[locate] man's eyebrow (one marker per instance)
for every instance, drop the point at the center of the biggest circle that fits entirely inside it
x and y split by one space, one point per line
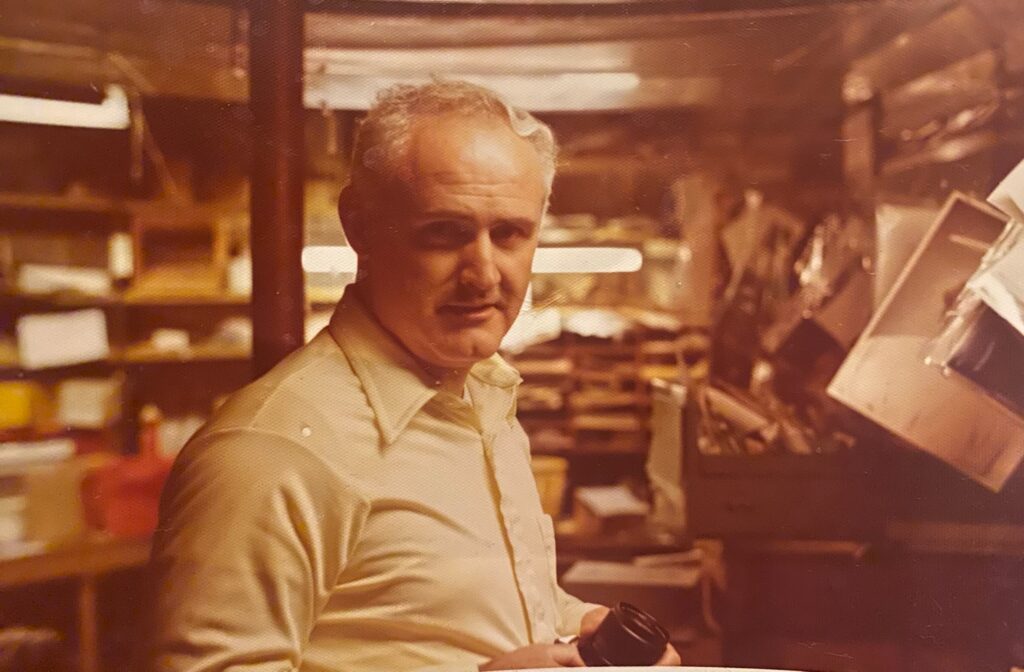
443 214
518 221
429 216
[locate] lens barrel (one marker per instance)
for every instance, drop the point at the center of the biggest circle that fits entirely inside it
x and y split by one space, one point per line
627 636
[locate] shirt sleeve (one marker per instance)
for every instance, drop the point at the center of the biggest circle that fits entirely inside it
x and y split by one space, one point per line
254 531
570 612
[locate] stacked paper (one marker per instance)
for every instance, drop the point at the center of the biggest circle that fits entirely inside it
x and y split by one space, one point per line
1001 284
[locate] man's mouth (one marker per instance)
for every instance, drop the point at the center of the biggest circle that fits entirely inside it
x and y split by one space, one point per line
469 310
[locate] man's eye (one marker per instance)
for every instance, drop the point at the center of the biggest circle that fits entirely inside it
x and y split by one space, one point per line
442 232
507 233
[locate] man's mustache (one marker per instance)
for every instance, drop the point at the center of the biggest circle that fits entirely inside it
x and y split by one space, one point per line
467 299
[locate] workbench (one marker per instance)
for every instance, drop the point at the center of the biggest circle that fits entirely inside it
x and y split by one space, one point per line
84 562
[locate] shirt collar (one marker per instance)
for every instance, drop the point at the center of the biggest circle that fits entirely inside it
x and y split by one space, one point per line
396 385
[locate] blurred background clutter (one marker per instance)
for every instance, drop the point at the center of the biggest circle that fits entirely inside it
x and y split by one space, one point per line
772 352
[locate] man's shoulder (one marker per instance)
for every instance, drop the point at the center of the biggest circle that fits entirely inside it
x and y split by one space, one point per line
312 399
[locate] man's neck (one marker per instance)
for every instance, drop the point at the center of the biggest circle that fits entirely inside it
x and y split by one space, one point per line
449 380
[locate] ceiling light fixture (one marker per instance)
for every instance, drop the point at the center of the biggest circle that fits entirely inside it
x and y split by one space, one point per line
111 112
535 91
342 259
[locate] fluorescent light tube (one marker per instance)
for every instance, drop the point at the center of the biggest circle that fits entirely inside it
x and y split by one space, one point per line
328 259
112 112
341 88
587 260
342 259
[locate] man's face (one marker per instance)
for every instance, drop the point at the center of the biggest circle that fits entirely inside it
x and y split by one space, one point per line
450 250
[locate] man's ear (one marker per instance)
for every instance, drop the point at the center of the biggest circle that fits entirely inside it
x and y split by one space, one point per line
353 219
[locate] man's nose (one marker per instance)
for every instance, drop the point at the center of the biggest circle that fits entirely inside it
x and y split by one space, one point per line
478 264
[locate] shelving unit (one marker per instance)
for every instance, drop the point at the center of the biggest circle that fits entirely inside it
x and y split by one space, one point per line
587 400
32 209
66 300
181 382
133 312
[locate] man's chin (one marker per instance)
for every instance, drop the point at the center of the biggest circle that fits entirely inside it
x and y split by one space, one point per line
463 352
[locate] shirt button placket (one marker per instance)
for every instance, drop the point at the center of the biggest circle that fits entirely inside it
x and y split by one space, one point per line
525 562
525 575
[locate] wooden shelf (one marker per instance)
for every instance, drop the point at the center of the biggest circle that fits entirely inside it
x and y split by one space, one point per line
133 355
201 352
84 562
954 538
649 372
59 204
625 544
97 554
562 366
22 301
150 300
605 399
43 209
9 370
607 422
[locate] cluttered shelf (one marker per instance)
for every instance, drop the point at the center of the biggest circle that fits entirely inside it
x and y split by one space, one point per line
142 353
28 301
111 212
25 301
11 369
623 545
145 353
185 300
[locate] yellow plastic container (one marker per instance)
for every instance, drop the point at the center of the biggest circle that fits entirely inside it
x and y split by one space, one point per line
550 474
21 403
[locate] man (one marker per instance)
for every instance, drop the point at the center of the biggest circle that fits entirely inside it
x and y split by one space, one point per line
369 504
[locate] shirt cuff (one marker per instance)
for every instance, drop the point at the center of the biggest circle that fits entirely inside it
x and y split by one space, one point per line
573 614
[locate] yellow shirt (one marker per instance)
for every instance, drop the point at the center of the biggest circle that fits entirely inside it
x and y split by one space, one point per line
341 513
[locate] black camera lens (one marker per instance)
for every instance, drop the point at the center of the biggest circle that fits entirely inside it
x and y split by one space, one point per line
627 636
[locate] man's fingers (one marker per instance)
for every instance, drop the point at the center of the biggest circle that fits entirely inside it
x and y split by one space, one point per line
670 658
592 619
567 655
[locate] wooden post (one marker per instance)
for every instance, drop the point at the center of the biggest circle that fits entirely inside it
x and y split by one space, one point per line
275 98
88 630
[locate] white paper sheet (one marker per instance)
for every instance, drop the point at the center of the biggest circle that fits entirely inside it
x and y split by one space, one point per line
61 339
626 574
611 500
1001 287
1009 195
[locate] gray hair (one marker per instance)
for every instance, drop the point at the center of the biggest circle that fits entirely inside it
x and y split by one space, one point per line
383 135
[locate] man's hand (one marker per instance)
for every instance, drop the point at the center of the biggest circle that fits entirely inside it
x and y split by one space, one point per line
536 656
593 618
670 658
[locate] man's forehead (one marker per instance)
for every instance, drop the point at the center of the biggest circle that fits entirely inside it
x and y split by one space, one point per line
455 148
